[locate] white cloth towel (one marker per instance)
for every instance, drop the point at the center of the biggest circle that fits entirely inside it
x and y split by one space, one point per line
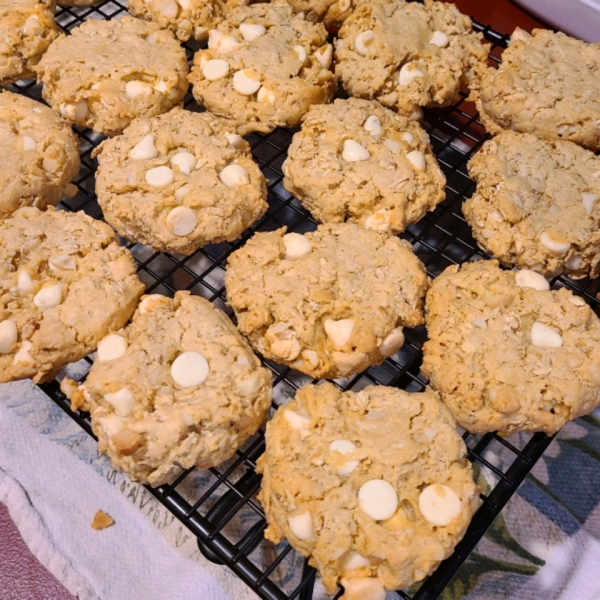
52 496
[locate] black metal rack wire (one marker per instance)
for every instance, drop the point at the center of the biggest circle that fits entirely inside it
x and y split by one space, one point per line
219 505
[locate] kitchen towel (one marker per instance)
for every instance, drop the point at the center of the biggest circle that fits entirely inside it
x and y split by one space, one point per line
52 496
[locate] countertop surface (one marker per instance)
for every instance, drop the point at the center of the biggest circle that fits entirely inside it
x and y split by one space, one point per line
22 577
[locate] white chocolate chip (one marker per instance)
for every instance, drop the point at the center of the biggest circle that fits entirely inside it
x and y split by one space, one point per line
301 52
162 86
181 220
234 140
49 297
167 8
24 283
354 152
339 332
439 504
577 301
543 336
111 347
408 137
32 26
379 220
144 149
530 279
417 158
554 245
186 161
589 201
392 145
234 176
159 176
348 361
301 526
50 164
362 588
287 349
573 263
407 74
246 82
215 69
29 143
151 302
136 88
122 401
182 192
296 420
519 35
364 41
76 111
378 499
111 424
228 43
324 56
439 39
189 369
296 245
480 323
266 95
312 357
61 262
251 31
23 356
8 336
373 126
214 37
344 447
354 560
392 342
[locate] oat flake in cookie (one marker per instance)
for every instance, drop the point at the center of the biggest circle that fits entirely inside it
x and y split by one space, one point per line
39 156
106 73
264 67
507 353
536 204
27 28
355 160
179 181
407 55
374 487
547 84
65 282
329 303
177 387
331 12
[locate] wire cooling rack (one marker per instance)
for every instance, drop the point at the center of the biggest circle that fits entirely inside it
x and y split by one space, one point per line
219 505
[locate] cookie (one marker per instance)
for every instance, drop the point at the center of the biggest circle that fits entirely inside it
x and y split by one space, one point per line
374 487
547 85
65 282
177 387
507 353
106 73
179 181
27 28
535 204
264 68
405 54
329 303
40 154
187 19
78 3
332 13
356 161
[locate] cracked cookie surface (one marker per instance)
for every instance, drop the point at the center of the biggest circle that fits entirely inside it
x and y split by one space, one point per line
27 28
355 160
328 303
507 353
179 181
65 282
264 67
332 13
547 84
407 55
536 204
374 487
177 387
40 154
106 73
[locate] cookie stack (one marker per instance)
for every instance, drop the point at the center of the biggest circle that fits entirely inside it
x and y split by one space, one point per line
374 485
